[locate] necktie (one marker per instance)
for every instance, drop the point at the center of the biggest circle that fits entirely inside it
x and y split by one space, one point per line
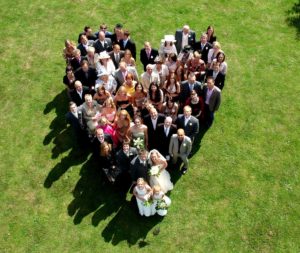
166 131
117 58
148 54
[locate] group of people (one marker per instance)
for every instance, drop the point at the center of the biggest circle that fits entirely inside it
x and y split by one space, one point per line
140 126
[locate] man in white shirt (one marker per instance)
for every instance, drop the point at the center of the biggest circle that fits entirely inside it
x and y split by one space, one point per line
184 37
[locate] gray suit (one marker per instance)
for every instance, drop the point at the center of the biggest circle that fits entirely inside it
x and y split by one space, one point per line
185 149
120 78
214 100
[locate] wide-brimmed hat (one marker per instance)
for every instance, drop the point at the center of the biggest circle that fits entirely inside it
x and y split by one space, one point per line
103 73
103 55
170 38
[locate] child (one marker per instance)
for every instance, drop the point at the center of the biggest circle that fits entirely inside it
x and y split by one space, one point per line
161 202
142 191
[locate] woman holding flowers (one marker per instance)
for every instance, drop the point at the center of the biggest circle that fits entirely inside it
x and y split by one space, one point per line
158 174
138 133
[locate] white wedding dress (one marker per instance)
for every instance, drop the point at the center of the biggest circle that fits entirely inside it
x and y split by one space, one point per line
164 178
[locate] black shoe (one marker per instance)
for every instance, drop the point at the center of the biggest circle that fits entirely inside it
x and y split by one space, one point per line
184 171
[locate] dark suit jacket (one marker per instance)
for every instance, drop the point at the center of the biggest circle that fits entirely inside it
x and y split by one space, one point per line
114 40
203 51
76 64
74 122
82 49
123 161
99 48
112 57
76 98
185 92
191 129
178 38
215 99
219 80
144 58
90 37
138 170
164 140
96 144
88 80
153 140
129 45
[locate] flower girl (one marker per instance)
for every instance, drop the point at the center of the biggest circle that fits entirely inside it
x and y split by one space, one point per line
143 192
161 202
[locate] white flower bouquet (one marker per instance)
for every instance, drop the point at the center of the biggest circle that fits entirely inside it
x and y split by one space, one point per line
138 143
154 171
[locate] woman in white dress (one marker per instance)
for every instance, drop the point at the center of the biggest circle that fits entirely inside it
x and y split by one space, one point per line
158 174
143 192
167 46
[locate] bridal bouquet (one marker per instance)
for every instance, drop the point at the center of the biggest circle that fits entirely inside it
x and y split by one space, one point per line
154 171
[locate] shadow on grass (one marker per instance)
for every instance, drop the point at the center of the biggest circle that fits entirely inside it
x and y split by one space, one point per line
59 104
93 195
293 18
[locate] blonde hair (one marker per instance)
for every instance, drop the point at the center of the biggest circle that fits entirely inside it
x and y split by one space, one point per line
141 181
87 96
156 188
216 44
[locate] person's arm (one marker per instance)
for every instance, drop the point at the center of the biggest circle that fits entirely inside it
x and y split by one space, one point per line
171 146
164 165
146 136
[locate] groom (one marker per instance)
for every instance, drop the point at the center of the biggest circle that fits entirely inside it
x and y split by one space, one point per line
139 166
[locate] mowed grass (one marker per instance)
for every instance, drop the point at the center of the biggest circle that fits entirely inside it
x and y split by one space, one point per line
242 191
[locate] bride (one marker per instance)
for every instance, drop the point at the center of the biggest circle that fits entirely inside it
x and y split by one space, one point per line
158 174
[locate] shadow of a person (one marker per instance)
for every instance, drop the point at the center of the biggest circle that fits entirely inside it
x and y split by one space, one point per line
293 18
127 225
75 157
92 193
59 122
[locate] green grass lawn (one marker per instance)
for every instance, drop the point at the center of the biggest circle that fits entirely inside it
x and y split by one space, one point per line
242 193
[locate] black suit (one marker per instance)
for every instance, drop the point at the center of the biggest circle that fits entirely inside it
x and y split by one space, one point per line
191 129
138 169
164 140
82 49
202 50
219 80
86 78
114 39
97 145
76 124
185 91
144 57
99 48
90 37
153 140
129 45
76 63
112 57
178 38
76 98
123 161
